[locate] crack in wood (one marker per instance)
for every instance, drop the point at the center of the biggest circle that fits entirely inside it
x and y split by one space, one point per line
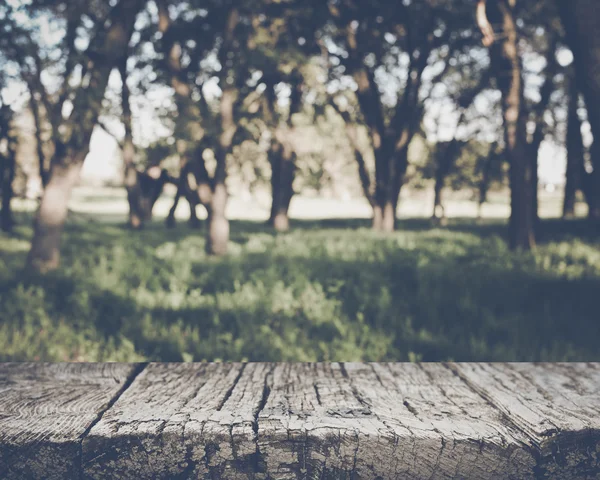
489 400
318 394
137 369
230 391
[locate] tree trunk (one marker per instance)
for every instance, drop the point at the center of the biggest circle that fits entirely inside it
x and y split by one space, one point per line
439 212
486 178
384 216
352 136
35 110
282 156
217 236
521 223
52 214
507 66
389 173
539 109
534 182
581 19
189 183
484 185
575 153
150 184
7 175
445 157
283 164
8 149
134 193
218 225
105 50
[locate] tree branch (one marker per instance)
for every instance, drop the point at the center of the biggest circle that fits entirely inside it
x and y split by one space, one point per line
351 134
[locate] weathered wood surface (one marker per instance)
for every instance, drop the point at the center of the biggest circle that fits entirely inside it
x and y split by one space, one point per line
305 421
557 407
46 409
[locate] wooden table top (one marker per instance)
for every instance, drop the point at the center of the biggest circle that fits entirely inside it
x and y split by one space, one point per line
300 421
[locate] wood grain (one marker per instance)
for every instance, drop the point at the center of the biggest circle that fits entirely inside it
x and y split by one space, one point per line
305 421
180 420
556 405
401 421
45 409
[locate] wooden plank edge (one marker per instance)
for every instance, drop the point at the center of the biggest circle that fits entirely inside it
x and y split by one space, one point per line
562 454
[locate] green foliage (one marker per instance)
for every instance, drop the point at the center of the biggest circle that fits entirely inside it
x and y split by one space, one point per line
326 291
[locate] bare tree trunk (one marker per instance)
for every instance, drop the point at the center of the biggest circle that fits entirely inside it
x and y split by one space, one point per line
150 184
581 19
278 213
52 214
283 165
384 217
380 196
363 172
170 220
534 185
439 212
282 156
390 170
388 224
486 178
384 212
8 149
385 205
521 229
187 186
35 110
218 224
7 174
134 193
445 158
108 46
507 65
539 110
484 186
575 152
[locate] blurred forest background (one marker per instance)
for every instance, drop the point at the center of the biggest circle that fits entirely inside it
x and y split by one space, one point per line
299 180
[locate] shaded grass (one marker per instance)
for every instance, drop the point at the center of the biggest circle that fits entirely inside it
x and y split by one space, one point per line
328 290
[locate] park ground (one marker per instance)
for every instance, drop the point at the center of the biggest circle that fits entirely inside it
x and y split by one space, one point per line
330 289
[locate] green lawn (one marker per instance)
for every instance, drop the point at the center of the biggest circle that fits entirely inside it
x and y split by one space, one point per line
328 290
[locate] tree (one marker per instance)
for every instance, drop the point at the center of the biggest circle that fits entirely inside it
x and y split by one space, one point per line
60 60
8 144
230 25
488 168
282 156
282 42
508 71
581 21
191 116
446 154
575 175
375 40
137 214
106 48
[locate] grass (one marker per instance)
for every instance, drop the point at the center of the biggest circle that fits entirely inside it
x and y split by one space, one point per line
328 290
